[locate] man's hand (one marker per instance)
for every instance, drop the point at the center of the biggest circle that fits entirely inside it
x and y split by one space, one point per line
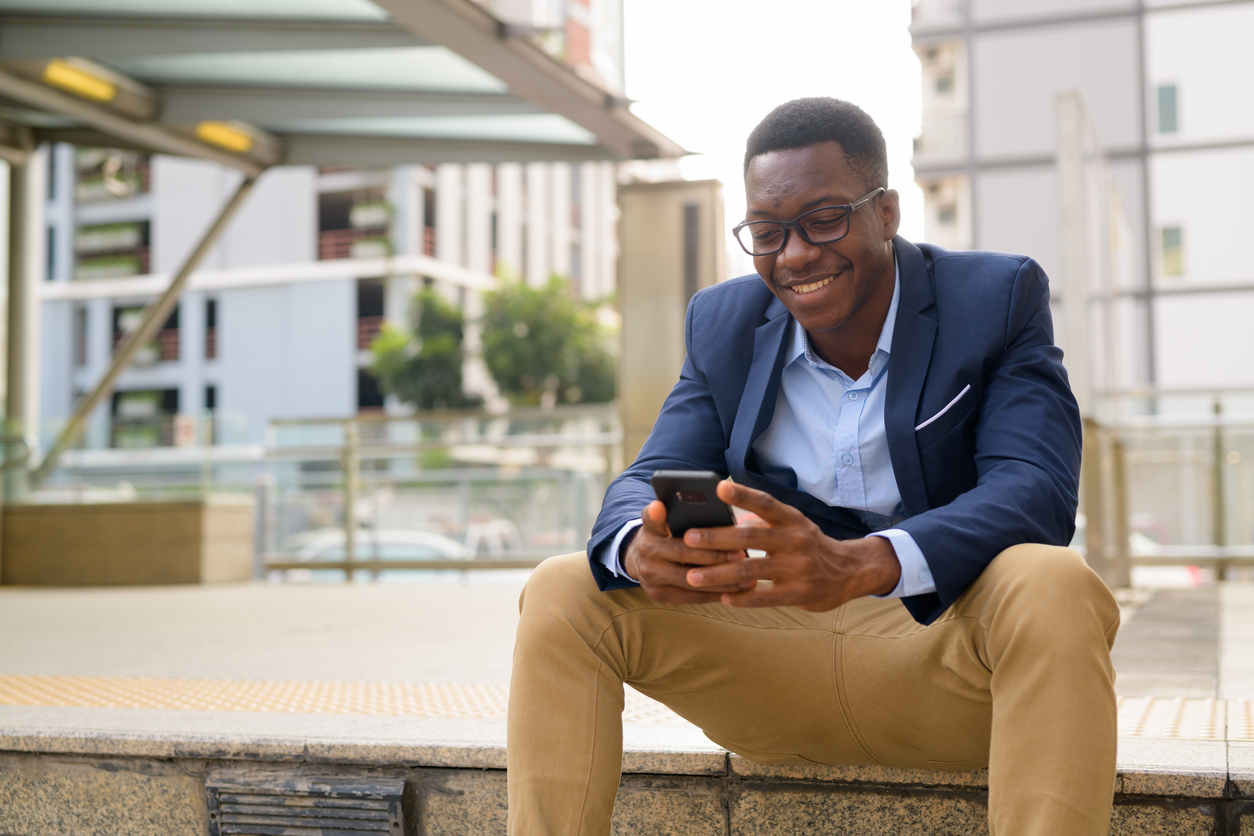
661 562
806 568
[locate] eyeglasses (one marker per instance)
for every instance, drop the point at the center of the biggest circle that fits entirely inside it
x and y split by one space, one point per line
824 225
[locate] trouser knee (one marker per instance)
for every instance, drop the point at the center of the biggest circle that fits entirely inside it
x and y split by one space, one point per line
1049 591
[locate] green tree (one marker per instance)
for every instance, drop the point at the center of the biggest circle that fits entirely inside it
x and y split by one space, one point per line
543 339
424 368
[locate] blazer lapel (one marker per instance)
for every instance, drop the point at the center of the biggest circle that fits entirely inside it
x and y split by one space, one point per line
913 336
757 404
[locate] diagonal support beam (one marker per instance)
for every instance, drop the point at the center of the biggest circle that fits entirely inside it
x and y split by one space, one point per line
155 314
474 33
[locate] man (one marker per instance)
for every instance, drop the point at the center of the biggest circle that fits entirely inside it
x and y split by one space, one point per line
899 420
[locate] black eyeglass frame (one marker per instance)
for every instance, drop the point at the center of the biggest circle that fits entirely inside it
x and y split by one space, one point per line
795 223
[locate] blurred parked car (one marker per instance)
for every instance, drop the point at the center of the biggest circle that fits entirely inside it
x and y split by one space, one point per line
378 544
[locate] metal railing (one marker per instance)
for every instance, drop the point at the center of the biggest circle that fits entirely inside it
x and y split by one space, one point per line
506 491
1177 472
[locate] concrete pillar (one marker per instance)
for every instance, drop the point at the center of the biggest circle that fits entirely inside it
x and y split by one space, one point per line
559 218
539 216
449 232
26 261
509 219
672 246
607 231
479 217
404 193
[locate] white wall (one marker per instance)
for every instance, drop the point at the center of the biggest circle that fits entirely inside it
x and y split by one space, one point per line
1019 73
1001 11
287 351
1018 213
1207 54
186 195
1204 339
1210 194
277 223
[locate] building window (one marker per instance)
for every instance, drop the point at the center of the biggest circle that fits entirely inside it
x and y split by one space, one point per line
105 251
211 329
354 224
211 398
164 347
1168 109
1173 251
102 174
945 85
370 311
80 336
369 394
947 215
428 222
144 418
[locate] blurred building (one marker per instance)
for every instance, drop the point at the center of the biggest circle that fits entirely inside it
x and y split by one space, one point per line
1164 84
289 300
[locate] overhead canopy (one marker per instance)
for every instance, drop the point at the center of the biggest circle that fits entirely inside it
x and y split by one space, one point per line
316 82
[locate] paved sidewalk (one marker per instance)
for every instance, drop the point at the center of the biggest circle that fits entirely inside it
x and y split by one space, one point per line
439 655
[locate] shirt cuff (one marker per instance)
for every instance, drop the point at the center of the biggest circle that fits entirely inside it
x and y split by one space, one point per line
916 575
611 556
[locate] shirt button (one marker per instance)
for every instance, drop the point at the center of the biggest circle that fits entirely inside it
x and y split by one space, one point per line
853 396
847 459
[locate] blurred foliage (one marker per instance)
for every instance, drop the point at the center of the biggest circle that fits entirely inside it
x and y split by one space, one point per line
424 368
542 341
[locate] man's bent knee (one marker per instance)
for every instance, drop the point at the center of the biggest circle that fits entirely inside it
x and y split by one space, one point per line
1045 584
559 577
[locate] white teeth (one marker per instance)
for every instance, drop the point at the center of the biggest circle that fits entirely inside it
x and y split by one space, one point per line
809 288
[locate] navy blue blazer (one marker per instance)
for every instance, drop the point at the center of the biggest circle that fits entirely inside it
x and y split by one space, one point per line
1000 467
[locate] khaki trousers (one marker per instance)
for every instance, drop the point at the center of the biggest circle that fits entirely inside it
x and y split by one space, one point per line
1015 676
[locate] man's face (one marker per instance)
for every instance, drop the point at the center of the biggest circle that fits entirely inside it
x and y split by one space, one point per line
824 286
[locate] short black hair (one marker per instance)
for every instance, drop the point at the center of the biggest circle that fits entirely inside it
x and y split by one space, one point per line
804 122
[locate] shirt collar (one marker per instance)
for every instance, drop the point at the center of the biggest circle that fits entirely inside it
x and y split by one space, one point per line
800 343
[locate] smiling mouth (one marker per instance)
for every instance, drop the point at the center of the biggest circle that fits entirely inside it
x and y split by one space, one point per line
802 289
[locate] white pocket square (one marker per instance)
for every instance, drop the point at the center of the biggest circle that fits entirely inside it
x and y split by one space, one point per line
948 406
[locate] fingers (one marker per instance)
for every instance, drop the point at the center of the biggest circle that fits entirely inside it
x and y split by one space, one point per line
763 504
654 519
760 536
743 574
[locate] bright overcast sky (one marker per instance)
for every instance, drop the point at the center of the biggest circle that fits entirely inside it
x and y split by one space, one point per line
705 73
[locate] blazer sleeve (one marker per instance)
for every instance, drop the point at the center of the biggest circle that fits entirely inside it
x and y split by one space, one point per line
1027 439
686 436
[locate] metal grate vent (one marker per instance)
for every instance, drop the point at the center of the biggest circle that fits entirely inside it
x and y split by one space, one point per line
299 805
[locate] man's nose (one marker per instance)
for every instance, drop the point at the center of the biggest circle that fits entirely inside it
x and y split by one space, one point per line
797 252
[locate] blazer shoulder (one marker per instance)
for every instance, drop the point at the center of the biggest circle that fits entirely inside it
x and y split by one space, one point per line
742 300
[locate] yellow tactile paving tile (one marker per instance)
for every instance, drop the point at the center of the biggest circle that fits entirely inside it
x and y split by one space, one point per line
397 699
1172 717
1156 717
1241 720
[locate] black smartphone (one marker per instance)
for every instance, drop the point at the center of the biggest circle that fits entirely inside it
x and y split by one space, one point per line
690 500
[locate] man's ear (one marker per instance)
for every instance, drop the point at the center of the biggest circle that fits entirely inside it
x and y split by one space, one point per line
889 206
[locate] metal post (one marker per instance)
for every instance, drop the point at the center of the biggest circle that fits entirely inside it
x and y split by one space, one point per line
154 317
1217 490
1121 562
264 494
1094 501
18 319
352 440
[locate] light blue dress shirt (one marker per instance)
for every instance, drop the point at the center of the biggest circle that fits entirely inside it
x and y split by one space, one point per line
827 438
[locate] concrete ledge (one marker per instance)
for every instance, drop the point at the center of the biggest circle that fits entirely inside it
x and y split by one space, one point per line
205 540
64 770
